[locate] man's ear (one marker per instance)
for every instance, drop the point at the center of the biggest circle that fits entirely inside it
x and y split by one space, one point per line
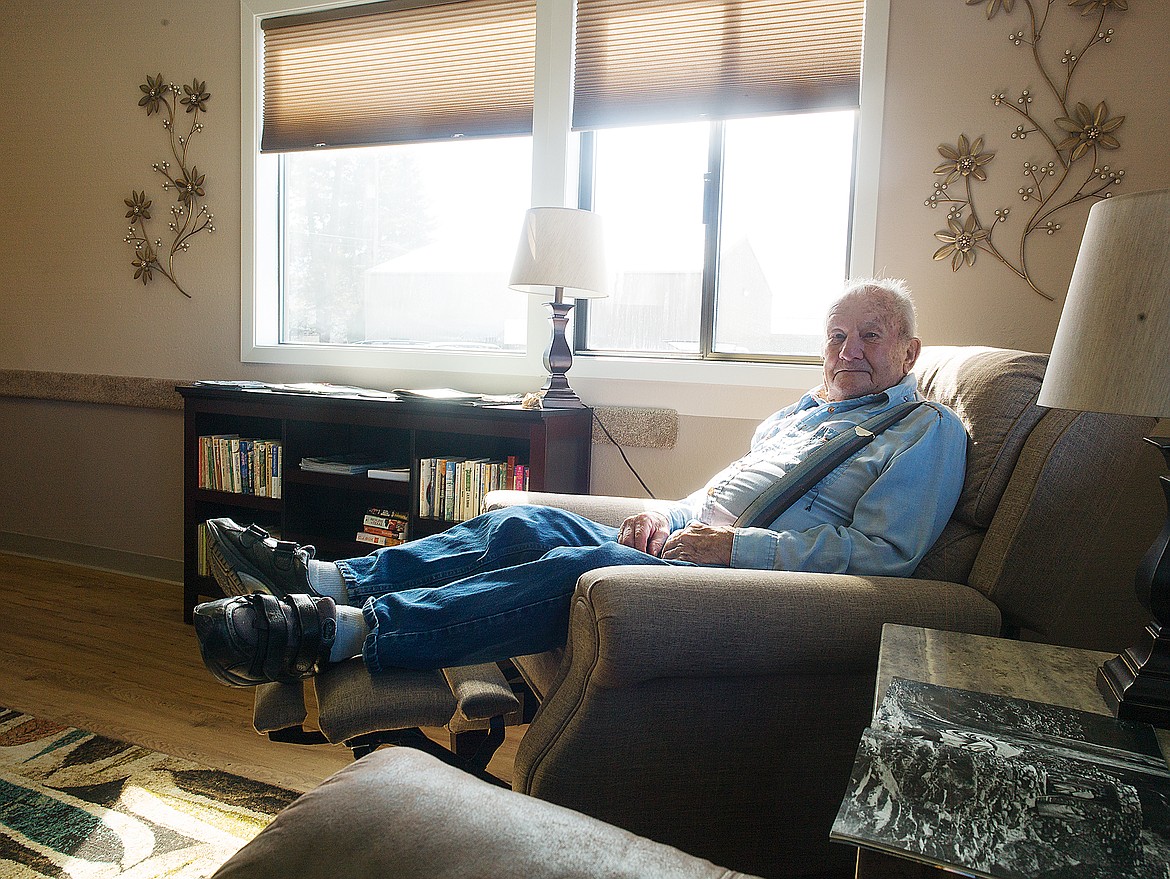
912 352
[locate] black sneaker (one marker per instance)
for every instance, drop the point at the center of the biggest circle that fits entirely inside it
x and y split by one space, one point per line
247 560
254 639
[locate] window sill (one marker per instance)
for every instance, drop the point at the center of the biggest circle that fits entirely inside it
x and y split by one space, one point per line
712 389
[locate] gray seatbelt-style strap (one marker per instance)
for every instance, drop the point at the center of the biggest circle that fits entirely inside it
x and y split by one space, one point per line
797 482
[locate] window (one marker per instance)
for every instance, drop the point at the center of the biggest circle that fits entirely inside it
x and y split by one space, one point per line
405 246
399 161
314 257
727 237
770 197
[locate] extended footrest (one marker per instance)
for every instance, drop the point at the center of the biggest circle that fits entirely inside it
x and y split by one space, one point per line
363 711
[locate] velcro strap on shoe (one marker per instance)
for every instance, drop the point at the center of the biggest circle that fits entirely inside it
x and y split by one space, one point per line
260 624
272 627
256 531
318 624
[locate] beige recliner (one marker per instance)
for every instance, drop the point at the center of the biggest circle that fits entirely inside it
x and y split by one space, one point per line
719 710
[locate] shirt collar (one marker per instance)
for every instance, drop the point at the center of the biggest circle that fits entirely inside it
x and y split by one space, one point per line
903 392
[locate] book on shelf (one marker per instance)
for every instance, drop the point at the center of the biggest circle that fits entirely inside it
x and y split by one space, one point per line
426 488
452 489
1006 788
240 465
380 518
377 539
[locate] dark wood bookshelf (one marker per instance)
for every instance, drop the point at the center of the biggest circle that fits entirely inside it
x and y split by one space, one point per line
326 509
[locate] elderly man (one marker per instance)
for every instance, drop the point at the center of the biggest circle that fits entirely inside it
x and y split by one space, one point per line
500 585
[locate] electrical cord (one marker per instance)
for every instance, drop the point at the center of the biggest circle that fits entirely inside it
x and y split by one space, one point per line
622 452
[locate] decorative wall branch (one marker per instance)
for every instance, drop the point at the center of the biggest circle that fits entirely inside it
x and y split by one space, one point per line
189 215
1070 171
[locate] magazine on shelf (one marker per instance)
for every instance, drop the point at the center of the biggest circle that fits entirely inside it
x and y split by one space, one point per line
321 389
449 395
355 463
1008 789
391 474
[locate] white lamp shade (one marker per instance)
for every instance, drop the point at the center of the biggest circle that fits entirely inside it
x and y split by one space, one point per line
561 247
1112 347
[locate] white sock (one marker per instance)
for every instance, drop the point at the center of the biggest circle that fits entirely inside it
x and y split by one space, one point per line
351 633
326 579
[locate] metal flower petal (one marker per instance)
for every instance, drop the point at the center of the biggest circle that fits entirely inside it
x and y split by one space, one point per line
994 5
139 206
143 269
154 91
1091 128
965 159
961 242
197 96
1093 5
190 185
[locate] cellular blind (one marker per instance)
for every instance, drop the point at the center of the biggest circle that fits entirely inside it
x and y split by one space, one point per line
398 72
640 61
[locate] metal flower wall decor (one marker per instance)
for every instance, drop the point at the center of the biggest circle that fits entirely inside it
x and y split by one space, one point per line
189 214
1074 142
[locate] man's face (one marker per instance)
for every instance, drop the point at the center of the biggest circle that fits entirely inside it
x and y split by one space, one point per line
865 352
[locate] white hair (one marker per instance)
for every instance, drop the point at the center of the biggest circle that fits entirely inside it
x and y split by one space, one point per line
896 293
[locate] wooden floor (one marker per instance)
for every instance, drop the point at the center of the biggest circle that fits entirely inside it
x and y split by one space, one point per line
111 654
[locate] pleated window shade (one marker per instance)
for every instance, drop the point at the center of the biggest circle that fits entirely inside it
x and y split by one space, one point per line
644 61
398 72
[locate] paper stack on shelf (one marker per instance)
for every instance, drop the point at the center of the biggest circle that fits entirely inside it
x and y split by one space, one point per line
346 464
392 474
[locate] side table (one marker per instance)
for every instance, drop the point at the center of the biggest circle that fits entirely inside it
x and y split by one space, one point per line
1062 676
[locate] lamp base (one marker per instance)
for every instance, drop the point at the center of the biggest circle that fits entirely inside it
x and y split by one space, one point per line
560 398
1136 684
557 360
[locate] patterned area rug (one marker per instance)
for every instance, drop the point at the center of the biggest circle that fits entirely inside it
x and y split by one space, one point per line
75 804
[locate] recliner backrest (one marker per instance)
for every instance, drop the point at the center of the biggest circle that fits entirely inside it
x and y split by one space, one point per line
1039 481
993 391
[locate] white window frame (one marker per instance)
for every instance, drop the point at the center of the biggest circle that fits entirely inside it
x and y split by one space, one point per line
744 389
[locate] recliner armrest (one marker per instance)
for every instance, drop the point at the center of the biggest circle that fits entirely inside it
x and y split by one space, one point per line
710 622
605 509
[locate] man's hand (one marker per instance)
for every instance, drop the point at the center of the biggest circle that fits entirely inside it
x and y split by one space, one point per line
701 544
645 531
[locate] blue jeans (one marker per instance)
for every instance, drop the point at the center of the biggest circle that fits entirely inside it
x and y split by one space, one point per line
487 589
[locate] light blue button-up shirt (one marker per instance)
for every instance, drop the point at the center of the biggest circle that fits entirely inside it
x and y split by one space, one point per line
877 513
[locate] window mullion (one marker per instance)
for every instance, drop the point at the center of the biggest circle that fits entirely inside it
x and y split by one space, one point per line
586 169
712 206
281 245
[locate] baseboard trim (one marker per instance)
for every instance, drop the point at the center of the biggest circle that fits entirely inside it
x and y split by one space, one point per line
96 557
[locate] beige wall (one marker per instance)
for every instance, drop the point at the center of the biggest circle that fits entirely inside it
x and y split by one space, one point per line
73 144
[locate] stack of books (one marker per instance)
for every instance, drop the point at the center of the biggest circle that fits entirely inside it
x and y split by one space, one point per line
383 527
452 489
229 462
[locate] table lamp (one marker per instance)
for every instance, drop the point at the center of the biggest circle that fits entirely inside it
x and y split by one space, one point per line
561 253
1112 354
